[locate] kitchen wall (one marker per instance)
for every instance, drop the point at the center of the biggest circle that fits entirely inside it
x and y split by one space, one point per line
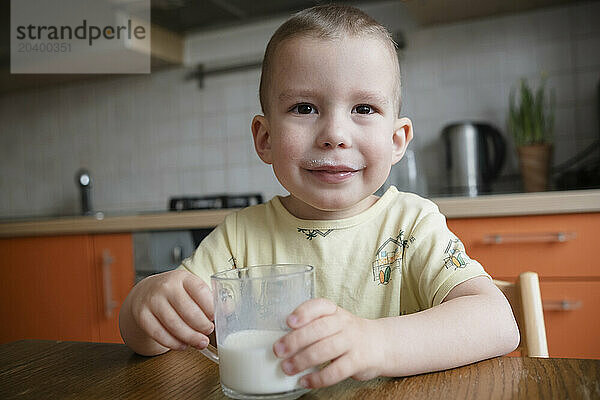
146 138
143 139
466 70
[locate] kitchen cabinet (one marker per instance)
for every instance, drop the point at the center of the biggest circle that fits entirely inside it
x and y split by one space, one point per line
572 316
115 271
166 50
64 287
560 248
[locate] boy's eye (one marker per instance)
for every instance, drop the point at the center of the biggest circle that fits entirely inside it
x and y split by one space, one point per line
304 109
364 109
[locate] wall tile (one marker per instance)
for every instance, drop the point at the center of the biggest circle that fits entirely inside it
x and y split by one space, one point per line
586 86
489 66
520 62
238 151
454 101
553 24
215 181
251 96
234 96
237 179
585 19
238 125
586 121
262 178
213 129
555 56
564 149
457 69
212 100
190 156
586 52
425 103
488 35
563 86
192 182
521 30
213 155
488 96
191 131
424 73
129 185
564 122
167 157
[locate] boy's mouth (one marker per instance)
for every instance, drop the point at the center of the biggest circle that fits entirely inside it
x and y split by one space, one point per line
333 165
330 172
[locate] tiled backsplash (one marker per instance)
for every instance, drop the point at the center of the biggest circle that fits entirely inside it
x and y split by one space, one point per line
146 138
466 71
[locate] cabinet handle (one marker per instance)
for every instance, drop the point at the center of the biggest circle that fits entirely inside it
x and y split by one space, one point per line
109 303
561 305
543 237
177 254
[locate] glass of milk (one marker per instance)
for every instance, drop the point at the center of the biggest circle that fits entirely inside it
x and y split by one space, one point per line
251 307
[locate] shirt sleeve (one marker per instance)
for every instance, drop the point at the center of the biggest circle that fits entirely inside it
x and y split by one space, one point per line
437 260
215 253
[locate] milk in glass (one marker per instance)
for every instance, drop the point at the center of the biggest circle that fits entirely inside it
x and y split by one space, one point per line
247 363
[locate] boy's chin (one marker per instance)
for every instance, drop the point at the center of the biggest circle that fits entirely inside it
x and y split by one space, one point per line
330 207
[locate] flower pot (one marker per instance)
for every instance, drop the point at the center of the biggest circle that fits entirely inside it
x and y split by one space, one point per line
534 161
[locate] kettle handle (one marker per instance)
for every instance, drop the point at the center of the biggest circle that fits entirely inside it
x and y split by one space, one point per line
498 143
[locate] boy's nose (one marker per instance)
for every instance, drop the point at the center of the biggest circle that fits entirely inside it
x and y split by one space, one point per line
334 134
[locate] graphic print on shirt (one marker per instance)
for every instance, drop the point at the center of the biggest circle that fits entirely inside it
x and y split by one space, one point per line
312 233
389 257
455 255
233 262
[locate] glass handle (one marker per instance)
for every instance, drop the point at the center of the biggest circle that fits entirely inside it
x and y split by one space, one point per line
211 353
542 237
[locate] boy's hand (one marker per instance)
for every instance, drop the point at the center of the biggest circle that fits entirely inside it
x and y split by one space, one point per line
322 331
174 308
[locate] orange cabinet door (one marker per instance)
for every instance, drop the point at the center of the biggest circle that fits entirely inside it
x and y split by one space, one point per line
533 243
64 287
572 317
114 271
47 289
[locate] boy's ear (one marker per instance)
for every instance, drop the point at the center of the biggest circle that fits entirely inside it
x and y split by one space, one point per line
403 134
262 138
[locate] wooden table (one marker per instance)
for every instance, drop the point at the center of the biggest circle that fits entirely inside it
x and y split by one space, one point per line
35 369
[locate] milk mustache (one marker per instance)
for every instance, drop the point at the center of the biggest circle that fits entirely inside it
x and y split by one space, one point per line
247 363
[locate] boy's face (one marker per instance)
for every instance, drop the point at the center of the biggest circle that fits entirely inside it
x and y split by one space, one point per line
331 130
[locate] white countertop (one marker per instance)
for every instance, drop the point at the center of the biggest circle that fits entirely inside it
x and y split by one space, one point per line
563 202
497 205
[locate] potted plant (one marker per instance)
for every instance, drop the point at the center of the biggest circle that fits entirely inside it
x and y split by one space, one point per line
530 120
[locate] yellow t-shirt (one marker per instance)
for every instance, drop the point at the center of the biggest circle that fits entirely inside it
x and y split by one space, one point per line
397 257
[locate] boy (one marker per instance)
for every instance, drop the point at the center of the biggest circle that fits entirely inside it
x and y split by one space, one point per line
399 296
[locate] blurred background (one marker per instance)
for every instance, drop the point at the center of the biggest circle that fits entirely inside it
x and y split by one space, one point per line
184 129
95 167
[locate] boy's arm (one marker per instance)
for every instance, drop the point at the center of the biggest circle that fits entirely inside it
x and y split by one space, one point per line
474 322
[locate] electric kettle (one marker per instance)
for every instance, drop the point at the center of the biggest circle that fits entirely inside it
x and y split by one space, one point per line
474 157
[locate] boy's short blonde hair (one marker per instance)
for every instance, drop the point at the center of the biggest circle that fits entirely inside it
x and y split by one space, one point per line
327 22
